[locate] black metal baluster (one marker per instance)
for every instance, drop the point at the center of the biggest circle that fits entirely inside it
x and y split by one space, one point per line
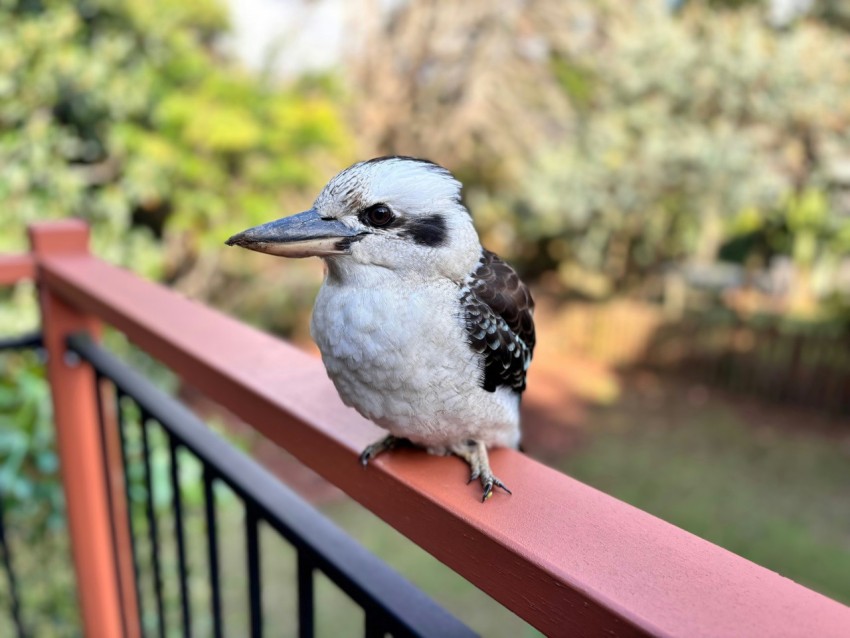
212 545
107 473
153 530
306 617
122 435
255 593
177 504
374 626
14 601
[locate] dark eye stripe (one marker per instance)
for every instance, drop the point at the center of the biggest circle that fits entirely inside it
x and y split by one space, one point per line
428 231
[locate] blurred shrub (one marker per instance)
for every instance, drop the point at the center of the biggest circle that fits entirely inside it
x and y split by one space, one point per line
130 115
601 140
683 125
28 462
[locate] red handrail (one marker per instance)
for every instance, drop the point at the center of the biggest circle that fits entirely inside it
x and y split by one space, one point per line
569 559
15 268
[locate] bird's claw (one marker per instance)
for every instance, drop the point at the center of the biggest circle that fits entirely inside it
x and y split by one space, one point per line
367 455
489 484
386 444
475 453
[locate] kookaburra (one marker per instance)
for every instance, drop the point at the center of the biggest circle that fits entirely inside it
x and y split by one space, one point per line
421 330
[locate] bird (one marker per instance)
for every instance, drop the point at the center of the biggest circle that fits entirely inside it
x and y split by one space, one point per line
421 329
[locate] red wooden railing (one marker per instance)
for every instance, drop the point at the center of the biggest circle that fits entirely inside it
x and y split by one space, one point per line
564 556
14 268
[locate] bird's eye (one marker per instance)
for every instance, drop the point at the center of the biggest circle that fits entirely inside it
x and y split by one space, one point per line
377 215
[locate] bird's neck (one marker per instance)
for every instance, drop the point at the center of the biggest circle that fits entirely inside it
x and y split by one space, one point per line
341 272
426 267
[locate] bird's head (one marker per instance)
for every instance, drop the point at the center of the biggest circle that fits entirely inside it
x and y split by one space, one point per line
395 213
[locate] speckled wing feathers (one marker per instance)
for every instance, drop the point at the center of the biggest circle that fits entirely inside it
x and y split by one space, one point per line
498 310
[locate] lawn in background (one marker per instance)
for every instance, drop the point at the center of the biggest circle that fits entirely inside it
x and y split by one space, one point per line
769 483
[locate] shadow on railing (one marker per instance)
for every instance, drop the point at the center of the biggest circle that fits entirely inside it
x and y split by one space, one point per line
565 557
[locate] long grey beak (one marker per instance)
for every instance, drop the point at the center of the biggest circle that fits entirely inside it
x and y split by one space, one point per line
303 235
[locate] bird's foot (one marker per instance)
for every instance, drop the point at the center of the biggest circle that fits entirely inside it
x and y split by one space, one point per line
475 453
386 444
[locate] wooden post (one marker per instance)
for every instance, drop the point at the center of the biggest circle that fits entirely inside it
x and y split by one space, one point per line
100 542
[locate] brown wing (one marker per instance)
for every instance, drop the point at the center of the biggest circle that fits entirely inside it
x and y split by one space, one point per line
498 312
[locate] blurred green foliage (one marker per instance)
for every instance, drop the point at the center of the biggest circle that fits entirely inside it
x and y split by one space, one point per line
29 480
130 115
684 129
32 500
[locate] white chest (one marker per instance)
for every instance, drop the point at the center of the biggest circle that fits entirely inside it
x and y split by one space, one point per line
398 354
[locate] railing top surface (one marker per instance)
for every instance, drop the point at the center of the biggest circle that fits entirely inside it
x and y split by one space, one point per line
565 556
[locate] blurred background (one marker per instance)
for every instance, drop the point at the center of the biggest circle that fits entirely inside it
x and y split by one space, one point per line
671 176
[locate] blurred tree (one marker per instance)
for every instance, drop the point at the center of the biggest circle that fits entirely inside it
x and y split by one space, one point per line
688 122
600 140
694 120
130 115
465 84
782 13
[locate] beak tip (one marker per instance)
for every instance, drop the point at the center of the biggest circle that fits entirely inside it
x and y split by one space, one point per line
303 235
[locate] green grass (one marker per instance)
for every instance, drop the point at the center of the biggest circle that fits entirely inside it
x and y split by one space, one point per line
776 495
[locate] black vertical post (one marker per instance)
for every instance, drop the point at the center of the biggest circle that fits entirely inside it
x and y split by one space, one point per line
107 473
122 435
14 602
255 594
153 530
306 628
374 626
212 546
182 567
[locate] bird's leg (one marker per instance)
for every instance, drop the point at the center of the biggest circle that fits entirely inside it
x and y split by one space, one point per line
389 442
475 453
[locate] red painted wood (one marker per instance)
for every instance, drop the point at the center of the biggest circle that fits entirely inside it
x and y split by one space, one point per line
94 548
564 556
14 268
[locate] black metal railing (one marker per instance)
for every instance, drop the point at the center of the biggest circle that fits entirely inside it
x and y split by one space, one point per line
390 603
11 578
29 341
